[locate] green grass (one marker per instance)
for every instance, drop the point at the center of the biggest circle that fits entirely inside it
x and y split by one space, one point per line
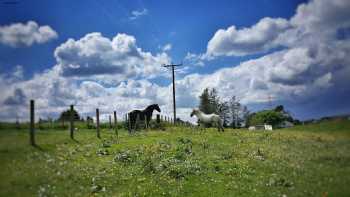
309 160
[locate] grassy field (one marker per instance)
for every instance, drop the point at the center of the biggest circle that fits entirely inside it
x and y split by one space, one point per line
312 160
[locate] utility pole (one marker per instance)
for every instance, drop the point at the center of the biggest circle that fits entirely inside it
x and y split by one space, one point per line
173 72
270 99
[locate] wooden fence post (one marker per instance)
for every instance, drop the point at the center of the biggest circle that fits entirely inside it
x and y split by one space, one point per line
32 124
71 120
115 123
98 123
110 122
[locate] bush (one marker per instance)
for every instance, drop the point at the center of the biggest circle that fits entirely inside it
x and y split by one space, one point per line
266 117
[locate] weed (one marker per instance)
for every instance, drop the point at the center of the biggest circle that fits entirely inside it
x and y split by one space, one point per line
126 156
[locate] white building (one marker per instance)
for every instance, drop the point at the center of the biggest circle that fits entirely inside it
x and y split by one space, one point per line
265 127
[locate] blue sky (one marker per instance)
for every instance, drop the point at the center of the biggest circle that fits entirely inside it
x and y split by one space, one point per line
187 25
285 40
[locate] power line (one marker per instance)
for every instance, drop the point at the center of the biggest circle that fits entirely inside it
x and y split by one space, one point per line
172 66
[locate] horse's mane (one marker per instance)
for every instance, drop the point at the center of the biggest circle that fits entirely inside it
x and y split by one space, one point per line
153 106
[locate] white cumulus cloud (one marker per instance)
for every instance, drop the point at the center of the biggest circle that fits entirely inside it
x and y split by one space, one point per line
20 34
103 58
313 60
238 42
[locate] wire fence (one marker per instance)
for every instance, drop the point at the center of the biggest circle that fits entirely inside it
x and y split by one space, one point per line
73 122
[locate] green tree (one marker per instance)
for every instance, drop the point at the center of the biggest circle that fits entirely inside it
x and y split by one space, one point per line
214 101
279 108
245 114
232 111
65 115
210 102
266 117
287 116
204 101
224 112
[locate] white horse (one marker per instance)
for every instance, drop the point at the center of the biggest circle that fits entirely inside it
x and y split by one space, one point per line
208 118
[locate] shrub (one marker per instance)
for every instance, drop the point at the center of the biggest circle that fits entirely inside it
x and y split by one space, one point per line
266 117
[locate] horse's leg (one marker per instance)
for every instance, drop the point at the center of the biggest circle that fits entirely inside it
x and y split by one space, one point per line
134 122
137 124
148 119
201 127
131 122
218 125
221 125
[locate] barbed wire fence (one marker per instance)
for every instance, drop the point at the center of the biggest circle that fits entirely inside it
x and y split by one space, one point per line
91 121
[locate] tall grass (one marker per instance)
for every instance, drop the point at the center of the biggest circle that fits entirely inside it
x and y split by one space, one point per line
310 160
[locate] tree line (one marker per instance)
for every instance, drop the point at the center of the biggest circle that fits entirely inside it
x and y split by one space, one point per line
234 114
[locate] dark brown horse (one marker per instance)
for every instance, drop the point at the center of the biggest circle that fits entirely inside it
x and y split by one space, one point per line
143 115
